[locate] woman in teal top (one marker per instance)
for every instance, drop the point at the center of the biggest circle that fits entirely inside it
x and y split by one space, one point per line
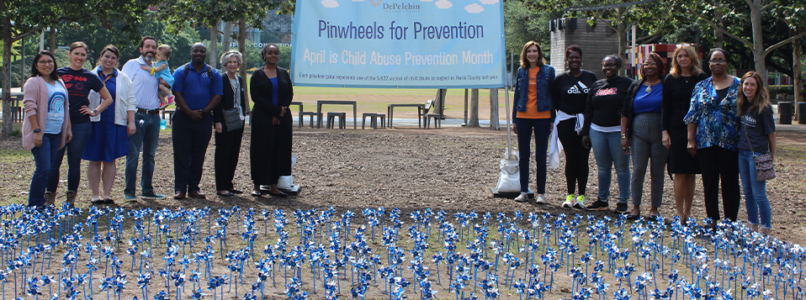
713 135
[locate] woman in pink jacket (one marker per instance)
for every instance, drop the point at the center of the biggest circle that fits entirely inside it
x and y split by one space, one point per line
47 127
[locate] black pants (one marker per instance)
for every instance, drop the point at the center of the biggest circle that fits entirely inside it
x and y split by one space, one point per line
190 139
576 156
716 163
227 151
540 128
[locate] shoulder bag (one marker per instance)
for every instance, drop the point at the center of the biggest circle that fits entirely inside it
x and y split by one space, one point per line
765 167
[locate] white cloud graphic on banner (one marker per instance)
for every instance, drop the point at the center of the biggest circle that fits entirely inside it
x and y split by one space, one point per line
426 0
330 3
474 8
484 1
444 4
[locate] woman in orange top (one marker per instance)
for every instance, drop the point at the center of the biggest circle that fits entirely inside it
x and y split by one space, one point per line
534 112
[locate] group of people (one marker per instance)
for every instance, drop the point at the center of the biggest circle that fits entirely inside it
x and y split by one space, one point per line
684 120
103 114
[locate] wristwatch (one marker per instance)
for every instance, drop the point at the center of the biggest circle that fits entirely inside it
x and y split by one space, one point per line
95 112
37 130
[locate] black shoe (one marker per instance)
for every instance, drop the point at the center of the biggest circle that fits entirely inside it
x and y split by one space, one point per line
633 217
621 208
227 194
236 191
257 193
109 201
599 205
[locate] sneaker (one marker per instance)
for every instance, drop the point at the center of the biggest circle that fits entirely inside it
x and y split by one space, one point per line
621 208
599 205
569 202
523 197
129 197
168 101
152 196
580 204
541 199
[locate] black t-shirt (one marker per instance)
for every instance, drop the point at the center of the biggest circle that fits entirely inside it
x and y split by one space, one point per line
721 94
758 127
79 84
605 101
570 93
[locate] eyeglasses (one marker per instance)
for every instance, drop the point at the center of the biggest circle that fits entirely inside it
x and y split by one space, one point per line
45 62
718 61
652 64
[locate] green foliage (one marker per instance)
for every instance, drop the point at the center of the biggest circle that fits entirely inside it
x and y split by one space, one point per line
16 132
523 24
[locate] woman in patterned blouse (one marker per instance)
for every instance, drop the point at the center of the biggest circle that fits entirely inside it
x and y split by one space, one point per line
713 135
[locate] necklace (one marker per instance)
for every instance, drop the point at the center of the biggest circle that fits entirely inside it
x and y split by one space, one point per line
686 78
649 87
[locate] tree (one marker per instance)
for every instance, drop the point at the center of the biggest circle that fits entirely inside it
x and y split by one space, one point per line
21 18
789 11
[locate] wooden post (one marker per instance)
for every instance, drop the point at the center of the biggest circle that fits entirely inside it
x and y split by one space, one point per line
465 123
474 108
494 109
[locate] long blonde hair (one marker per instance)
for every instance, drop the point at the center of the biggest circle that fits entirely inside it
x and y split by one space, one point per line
760 101
677 71
525 62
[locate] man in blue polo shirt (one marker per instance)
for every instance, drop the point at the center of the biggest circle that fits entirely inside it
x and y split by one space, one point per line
198 90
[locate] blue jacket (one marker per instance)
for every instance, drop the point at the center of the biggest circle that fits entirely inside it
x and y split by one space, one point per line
545 79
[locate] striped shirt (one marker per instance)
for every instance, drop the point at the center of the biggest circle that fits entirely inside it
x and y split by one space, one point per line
146 86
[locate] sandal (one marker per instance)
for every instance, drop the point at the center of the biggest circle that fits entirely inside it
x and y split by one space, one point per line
633 217
109 201
97 201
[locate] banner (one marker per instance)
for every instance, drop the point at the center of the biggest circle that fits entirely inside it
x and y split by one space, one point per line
399 43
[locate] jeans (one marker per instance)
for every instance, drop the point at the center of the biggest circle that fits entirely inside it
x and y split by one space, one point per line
541 129
720 166
44 157
607 151
190 140
755 192
75 149
146 139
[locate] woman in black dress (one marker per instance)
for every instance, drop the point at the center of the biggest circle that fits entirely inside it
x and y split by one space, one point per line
270 151
678 86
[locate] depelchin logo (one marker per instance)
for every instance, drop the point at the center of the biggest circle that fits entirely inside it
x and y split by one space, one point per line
375 3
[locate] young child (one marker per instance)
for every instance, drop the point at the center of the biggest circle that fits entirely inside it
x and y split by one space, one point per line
163 72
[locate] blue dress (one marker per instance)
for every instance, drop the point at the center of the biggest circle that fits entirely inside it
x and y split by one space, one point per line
108 140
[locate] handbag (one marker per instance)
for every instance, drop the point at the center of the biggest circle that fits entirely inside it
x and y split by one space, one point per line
232 116
765 166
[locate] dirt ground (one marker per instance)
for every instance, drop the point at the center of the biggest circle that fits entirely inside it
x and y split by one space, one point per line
411 169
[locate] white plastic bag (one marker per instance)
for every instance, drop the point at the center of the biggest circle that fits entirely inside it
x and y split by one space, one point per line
509 179
287 182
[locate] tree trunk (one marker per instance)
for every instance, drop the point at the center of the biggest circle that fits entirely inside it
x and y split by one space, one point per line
622 39
494 124
474 108
212 53
758 40
719 37
6 84
52 38
226 40
244 63
796 70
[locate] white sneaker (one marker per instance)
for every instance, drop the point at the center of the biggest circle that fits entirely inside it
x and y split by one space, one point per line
580 204
523 197
541 199
569 202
